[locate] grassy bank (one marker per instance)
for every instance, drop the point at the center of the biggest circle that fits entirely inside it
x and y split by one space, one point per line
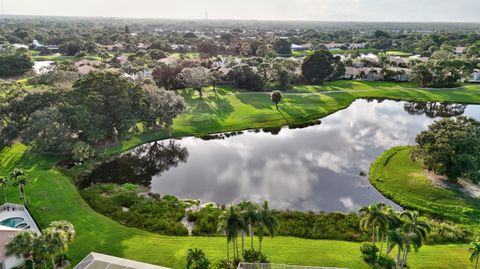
231 109
402 180
54 197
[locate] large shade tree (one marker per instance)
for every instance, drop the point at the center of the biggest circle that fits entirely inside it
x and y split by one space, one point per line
103 106
196 78
451 147
319 66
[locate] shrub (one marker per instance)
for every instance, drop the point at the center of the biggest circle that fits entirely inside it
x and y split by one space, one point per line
369 252
251 255
385 262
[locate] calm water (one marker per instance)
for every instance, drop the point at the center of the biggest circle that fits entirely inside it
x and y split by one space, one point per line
314 168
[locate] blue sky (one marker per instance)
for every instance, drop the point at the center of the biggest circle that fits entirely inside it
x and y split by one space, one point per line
322 10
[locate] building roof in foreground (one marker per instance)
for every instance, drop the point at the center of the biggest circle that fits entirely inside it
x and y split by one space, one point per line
6 235
101 261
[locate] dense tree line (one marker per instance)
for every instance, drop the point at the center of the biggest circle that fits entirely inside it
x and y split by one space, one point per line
99 107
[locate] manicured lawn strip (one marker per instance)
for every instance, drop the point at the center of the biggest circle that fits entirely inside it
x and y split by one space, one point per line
399 178
54 197
233 110
60 58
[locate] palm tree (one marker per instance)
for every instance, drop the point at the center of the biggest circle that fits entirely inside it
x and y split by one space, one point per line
65 228
374 218
396 239
22 245
223 228
53 243
3 186
230 225
393 222
249 219
415 232
266 221
20 181
475 252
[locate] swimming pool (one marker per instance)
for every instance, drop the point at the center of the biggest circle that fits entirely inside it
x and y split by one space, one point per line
11 222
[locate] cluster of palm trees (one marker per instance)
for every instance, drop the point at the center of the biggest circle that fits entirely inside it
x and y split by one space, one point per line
19 180
404 230
39 247
245 217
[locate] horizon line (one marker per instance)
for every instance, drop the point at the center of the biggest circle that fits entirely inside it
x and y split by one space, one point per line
228 19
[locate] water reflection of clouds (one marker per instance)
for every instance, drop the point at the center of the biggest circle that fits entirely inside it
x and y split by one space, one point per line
316 168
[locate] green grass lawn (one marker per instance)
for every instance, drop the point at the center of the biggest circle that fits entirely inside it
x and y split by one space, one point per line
398 53
57 57
231 109
398 177
334 51
53 195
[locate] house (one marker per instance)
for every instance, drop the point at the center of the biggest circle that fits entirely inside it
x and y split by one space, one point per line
6 235
101 261
357 46
115 47
13 219
334 46
302 47
86 66
37 44
459 50
398 61
142 46
475 76
376 73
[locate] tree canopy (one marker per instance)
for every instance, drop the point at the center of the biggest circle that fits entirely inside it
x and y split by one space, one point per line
319 66
451 147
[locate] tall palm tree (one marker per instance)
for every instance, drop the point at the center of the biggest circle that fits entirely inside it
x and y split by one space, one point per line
396 239
20 181
230 224
415 230
3 186
393 222
223 228
54 243
475 252
266 222
22 245
374 218
251 217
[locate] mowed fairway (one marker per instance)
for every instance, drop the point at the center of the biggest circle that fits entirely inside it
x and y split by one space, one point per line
53 196
230 109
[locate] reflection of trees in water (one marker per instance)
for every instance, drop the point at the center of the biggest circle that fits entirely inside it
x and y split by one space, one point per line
434 109
139 165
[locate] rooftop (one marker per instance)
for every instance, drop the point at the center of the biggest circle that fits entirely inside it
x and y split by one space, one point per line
101 261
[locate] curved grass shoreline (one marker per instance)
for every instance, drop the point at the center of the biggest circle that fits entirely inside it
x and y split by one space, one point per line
53 196
403 181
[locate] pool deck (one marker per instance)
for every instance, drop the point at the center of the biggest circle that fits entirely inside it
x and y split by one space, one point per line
9 210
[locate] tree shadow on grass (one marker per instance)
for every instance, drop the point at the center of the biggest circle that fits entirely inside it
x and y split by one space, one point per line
256 100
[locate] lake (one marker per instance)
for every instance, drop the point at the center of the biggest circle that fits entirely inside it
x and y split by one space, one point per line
318 168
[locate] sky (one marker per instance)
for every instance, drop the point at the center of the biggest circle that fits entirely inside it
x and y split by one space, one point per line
317 10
